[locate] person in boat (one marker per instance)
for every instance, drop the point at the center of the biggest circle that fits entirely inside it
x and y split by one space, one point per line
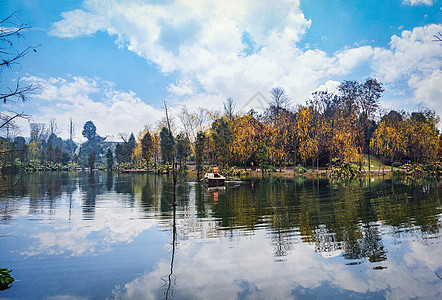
215 172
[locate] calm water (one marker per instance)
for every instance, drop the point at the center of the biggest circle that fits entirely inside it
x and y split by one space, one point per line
109 236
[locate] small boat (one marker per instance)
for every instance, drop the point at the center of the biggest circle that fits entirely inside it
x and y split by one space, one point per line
214 179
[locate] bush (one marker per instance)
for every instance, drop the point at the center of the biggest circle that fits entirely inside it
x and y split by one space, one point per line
397 164
299 169
344 170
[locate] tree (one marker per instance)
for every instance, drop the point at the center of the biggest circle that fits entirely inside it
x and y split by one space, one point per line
91 161
199 152
93 144
263 159
279 97
109 159
58 155
280 101
129 147
246 135
389 139
229 109
147 148
167 145
370 92
182 147
89 130
349 95
11 30
71 136
222 137
50 153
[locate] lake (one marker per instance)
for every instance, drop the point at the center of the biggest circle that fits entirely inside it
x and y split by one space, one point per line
96 235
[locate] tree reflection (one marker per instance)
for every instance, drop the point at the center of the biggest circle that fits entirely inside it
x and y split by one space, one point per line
90 196
170 279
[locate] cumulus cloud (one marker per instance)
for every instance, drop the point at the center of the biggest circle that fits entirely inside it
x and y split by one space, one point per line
84 99
221 49
415 58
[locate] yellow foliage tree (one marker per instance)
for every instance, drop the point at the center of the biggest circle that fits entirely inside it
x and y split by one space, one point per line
246 138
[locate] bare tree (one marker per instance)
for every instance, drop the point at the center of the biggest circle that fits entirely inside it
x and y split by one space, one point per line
280 98
11 29
174 171
229 108
53 127
9 126
39 132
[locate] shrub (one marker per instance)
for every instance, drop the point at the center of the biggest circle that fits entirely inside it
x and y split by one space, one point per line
299 169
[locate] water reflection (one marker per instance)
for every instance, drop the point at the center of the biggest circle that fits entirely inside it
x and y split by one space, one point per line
370 237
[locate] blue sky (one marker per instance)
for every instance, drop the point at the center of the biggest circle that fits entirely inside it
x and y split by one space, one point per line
114 62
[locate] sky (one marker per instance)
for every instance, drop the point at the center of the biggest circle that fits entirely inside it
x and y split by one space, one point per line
115 62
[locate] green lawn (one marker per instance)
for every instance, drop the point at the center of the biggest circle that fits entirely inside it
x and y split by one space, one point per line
374 162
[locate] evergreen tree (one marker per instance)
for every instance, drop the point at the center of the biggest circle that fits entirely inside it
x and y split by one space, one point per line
91 160
93 143
222 137
199 151
58 155
89 130
182 147
166 143
109 159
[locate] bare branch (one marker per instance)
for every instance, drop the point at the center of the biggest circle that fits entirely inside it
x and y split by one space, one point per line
437 37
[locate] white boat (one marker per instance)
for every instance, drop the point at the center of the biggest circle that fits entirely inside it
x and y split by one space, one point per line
214 179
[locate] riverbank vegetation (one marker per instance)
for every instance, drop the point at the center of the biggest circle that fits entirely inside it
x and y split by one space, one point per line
345 133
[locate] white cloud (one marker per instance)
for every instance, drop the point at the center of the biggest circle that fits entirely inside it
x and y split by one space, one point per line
415 58
222 49
78 23
418 2
85 99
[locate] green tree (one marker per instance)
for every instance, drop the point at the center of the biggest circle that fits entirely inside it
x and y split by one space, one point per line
91 160
182 147
199 152
58 155
167 145
93 144
109 159
89 130
222 137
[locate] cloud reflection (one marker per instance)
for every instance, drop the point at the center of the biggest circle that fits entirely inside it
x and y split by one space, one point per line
111 225
245 268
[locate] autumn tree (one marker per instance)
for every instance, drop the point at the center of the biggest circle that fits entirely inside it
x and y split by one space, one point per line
389 137
263 158
422 135
246 136
147 148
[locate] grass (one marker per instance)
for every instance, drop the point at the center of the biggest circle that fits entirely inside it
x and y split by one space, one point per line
375 162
